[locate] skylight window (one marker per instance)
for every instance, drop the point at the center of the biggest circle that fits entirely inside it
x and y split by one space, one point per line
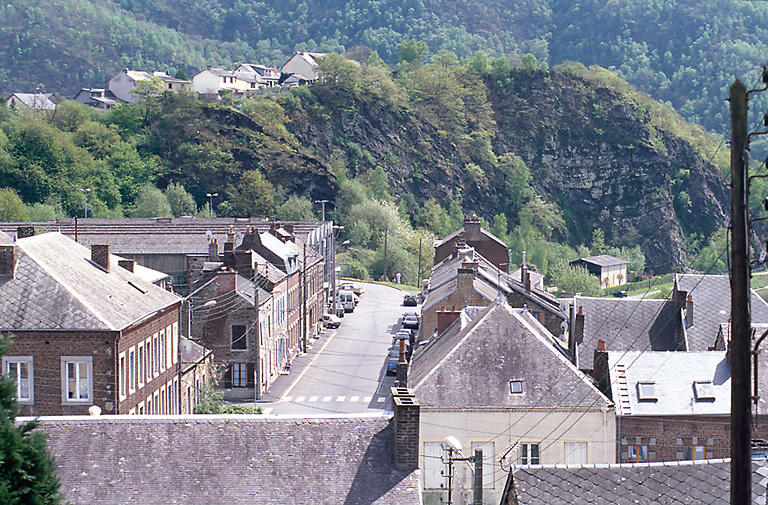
646 391
703 390
516 387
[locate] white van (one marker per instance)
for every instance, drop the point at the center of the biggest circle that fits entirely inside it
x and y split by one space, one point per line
347 299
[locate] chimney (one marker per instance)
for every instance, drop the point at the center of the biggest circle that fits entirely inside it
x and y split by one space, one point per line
9 257
402 366
100 256
524 264
226 281
465 276
601 344
406 426
127 264
578 326
213 250
527 280
25 231
689 312
445 318
471 229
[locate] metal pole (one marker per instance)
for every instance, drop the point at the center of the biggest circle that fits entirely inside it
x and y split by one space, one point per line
322 204
418 279
741 427
477 481
449 477
257 346
304 300
386 231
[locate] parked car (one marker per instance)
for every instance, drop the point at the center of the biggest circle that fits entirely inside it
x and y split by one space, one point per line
330 321
339 309
347 300
410 300
392 365
411 320
402 335
349 286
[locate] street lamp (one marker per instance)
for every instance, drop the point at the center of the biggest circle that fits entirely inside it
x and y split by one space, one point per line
85 194
211 196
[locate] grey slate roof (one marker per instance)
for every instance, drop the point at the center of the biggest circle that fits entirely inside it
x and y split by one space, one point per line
5 238
246 287
625 324
56 286
191 353
204 460
604 260
500 345
459 234
712 306
677 482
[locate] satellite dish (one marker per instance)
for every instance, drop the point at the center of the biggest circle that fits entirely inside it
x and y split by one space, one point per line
209 234
452 443
94 410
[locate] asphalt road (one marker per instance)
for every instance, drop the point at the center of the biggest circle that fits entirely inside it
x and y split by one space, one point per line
348 374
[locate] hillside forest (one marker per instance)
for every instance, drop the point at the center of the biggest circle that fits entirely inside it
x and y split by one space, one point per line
560 162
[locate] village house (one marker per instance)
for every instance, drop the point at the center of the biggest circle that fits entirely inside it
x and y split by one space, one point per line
367 459
197 370
534 406
611 271
123 84
32 101
214 80
266 77
86 330
478 238
303 64
99 98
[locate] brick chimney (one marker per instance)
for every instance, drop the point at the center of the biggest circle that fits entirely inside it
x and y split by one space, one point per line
25 231
402 366
406 427
127 264
465 278
578 326
9 257
100 255
527 280
445 318
251 240
472 228
689 312
213 250
226 281
601 344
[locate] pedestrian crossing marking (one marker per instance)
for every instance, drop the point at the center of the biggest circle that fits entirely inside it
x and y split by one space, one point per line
367 399
313 398
327 398
288 398
380 399
341 398
354 399
300 399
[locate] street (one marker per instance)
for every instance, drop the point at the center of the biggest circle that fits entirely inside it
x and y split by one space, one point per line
347 375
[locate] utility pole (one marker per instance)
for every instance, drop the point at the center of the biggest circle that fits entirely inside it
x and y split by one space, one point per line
257 346
322 203
477 479
418 279
386 231
304 300
741 415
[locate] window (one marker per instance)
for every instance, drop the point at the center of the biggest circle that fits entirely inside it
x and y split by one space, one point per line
175 343
528 454
646 391
163 352
489 463
239 375
238 337
637 453
433 465
19 368
77 384
694 451
121 375
575 453
131 370
140 365
141 408
163 408
148 361
703 391
516 387
155 356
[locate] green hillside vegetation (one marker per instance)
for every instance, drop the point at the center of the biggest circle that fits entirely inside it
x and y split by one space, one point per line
403 156
681 52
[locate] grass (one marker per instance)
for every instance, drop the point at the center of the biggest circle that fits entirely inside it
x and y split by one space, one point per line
403 287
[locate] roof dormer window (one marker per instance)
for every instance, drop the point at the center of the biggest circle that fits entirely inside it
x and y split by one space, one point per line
646 391
516 387
703 391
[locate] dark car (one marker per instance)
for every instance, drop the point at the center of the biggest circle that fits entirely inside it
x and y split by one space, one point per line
391 365
410 301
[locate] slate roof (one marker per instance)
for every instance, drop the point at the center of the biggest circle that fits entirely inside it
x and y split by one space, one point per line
191 353
604 260
673 374
434 297
458 234
245 288
624 324
712 306
501 345
675 482
5 238
233 460
56 286
41 101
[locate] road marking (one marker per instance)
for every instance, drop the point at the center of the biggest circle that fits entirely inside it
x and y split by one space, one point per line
367 399
354 399
300 399
340 398
286 398
327 398
381 399
267 410
313 398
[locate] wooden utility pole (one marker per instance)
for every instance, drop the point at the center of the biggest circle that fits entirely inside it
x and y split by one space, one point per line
386 231
477 480
257 346
304 301
418 279
741 415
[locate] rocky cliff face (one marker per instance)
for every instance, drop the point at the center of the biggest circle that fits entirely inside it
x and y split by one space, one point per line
590 152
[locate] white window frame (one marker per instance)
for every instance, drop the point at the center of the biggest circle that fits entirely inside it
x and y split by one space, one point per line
242 374
132 370
29 361
80 360
489 460
155 355
162 352
528 458
140 371
122 385
175 347
148 360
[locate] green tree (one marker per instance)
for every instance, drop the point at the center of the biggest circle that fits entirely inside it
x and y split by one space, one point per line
500 227
41 212
379 185
254 195
342 73
575 279
436 218
296 208
151 202
27 470
11 206
181 202
412 51
530 64
598 242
